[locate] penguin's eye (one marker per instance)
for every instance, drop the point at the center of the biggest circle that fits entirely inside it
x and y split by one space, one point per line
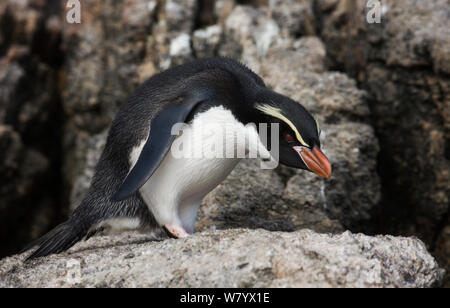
289 138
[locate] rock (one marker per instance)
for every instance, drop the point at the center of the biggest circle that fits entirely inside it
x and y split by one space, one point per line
290 200
442 251
30 119
180 15
296 68
294 17
238 38
206 41
232 258
21 168
180 49
403 63
413 146
255 198
353 193
295 57
10 75
250 33
333 97
54 132
415 34
223 8
93 150
138 14
101 70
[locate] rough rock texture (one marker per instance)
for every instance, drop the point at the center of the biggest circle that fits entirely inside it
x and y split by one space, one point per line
232 258
76 76
206 41
105 62
353 191
250 32
30 119
286 199
442 252
19 168
254 198
403 63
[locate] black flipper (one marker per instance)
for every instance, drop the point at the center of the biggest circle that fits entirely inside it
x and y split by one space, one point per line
159 141
58 240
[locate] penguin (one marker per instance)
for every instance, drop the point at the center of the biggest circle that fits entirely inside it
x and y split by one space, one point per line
139 183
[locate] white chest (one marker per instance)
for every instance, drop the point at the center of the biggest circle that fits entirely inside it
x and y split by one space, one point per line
200 159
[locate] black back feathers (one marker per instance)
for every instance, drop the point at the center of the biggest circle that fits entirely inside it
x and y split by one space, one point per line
172 96
160 139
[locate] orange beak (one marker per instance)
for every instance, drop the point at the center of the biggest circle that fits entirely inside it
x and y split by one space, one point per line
315 160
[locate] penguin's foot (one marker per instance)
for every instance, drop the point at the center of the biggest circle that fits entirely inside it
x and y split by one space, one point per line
175 231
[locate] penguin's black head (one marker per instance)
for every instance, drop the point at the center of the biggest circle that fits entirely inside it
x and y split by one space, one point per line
299 142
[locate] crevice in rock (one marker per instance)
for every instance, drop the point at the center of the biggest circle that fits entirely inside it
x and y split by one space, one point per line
35 113
417 100
6 25
205 15
443 223
255 3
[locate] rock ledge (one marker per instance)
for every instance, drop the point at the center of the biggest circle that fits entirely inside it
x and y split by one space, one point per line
232 258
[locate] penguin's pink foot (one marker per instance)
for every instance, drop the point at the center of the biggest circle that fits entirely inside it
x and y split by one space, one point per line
175 231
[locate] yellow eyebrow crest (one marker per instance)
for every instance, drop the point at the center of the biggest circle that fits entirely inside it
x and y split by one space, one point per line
317 124
276 113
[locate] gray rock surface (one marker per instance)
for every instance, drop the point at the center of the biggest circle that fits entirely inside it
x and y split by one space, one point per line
403 63
206 41
287 199
107 57
54 131
254 198
232 258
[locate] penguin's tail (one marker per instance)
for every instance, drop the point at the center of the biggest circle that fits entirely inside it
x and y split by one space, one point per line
57 240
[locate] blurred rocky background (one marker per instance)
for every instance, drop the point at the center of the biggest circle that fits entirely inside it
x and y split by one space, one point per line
381 92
